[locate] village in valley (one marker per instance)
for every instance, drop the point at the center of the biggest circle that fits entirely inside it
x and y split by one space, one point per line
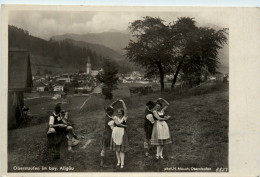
84 83
68 83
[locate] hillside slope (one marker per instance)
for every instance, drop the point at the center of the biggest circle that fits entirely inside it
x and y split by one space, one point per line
114 40
60 56
198 125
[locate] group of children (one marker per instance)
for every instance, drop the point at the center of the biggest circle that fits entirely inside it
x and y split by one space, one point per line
156 130
115 135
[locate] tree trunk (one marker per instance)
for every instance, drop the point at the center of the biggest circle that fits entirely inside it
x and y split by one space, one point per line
161 75
206 77
190 82
176 74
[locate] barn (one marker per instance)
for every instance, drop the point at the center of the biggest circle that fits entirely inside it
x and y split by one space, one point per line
19 81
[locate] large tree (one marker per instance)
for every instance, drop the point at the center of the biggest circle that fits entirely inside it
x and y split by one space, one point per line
149 48
173 48
109 78
197 48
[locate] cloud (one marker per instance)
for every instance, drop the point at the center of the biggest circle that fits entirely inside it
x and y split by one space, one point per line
106 21
45 24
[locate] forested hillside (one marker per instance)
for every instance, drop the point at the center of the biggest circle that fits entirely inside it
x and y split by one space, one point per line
55 56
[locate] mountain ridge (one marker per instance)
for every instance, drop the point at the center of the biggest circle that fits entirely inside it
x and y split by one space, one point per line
223 53
113 40
64 55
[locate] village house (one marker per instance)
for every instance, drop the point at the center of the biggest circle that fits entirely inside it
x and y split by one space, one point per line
65 75
127 81
83 89
142 82
64 79
39 79
94 73
216 77
58 88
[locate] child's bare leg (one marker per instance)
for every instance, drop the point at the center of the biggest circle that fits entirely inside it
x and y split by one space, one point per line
146 147
69 136
122 158
161 152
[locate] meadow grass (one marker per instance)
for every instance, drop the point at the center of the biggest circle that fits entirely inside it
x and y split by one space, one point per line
198 126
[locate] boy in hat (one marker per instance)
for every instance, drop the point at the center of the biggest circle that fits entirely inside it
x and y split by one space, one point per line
148 125
107 132
55 133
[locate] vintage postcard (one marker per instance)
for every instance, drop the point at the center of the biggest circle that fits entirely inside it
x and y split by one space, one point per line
90 90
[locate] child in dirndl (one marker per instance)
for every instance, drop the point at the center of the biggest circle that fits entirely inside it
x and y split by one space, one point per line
119 140
161 133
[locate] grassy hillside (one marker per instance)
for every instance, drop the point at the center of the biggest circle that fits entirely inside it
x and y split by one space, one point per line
199 129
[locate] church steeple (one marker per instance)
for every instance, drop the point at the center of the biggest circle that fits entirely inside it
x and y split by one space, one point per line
88 67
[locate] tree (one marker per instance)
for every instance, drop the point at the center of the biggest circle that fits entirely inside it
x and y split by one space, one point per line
197 48
150 48
66 88
178 47
109 78
75 81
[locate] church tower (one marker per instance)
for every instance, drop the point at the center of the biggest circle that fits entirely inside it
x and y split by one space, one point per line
88 67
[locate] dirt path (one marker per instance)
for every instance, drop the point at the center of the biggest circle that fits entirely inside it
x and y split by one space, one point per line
37 97
84 102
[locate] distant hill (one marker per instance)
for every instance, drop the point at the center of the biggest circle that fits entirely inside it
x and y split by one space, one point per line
100 49
113 40
118 40
60 56
125 65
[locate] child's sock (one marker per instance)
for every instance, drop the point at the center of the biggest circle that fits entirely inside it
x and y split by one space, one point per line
161 151
158 150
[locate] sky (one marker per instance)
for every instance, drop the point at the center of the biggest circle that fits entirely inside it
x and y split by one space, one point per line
45 24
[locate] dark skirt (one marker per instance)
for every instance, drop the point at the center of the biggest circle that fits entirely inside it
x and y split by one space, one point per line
61 129
106 139
55 138
148 128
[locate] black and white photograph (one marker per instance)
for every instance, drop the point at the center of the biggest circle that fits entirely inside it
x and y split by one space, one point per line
93 91
118 91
